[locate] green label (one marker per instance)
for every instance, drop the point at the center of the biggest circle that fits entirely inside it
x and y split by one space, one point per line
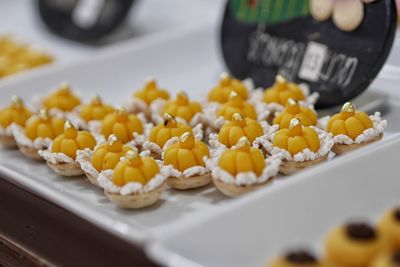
269 11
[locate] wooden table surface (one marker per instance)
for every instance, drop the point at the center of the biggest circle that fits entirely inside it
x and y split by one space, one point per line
35 232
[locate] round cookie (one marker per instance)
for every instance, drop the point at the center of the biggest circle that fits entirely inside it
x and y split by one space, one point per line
296 258
389 227
352 245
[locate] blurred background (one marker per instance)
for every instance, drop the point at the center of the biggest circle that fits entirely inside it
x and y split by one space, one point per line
24 21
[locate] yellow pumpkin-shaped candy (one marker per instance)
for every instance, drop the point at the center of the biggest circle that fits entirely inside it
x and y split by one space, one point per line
187 153
164 131
237 127
307 116
281 91
44 126
15 113
151 92
135 169
234 105
349 122
72 140
297 138
242 158
182 107
62 99
122 124
226 85
107 155
95 110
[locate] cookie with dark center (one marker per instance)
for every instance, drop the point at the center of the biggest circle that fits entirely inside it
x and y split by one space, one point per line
396 214
300 257
361 231
396 257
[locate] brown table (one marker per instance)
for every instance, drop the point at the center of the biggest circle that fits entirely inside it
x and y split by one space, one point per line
35 232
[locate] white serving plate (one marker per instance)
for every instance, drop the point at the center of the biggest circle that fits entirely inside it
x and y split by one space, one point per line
189 62
299 212
147 19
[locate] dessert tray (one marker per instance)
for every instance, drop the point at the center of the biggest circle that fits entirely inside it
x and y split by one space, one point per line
294 214
117 73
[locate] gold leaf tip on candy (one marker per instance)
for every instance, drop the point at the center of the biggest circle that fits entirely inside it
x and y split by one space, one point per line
96 99
348 107
151 83
237 117
182 94
242 142
16 100
112 139
294 122
121 111
224 76
64 86
168 117
68 125
292 102
43 114
131 154
233 94
150 79
184 137
280 78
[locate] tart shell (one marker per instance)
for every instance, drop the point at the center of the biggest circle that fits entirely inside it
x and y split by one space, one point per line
30 152
66 169
92 179
8 141
233 190
341 149
290 167
184 183
136 200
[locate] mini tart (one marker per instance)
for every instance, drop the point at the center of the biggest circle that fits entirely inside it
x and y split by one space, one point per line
352 245
388 259
389 227
89 116
306 115
216 115
164 131
15 113
62 99
38 133
242 169
275 98
122 124
353 129
185 158
299 147
233 130
228 84
17 56
104 157
136 182
190 112
143 100
296 258
61 155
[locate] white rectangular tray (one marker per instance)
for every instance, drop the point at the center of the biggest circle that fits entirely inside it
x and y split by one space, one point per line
299 212
187 62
